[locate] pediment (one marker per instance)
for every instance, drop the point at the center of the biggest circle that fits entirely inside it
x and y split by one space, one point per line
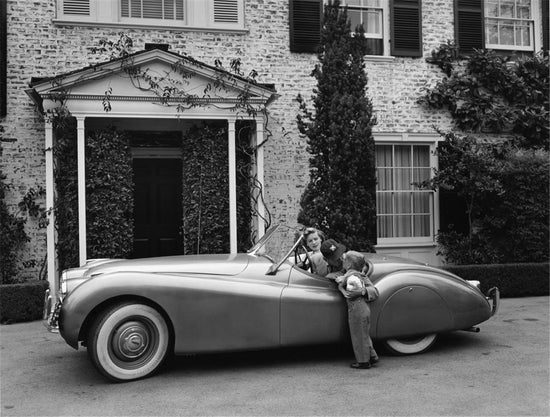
147 81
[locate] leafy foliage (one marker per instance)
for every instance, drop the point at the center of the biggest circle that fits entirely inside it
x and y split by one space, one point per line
494 93
109 195
206 189
66 182
506 194
12 237
340 197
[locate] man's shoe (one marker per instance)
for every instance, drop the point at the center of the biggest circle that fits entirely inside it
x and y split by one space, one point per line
374 360
360 365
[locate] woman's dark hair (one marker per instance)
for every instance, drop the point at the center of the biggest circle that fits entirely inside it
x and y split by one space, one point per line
310 230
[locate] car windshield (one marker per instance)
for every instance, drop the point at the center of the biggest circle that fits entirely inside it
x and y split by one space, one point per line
276 243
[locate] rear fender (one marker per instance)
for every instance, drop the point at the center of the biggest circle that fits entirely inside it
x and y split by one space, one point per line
409 304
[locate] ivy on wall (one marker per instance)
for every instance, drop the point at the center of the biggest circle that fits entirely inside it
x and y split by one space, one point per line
109 195
503 185
206 189
494 93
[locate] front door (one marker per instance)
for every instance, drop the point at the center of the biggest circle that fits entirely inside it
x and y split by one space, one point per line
157 207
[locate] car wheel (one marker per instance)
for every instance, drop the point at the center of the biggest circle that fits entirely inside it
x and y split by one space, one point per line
410 345
128 341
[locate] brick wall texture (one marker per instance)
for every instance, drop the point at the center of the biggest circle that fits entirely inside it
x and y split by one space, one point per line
39 48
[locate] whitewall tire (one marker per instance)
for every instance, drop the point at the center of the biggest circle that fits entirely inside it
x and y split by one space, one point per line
128 341
410 345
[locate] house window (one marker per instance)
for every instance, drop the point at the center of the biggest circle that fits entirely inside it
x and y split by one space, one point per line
152 9
370 14
178 14
517 25
391 28
405 213
509 24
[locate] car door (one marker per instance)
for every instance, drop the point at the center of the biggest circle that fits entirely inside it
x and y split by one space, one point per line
313 311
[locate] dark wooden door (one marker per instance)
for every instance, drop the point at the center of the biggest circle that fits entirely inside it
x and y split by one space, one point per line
157 207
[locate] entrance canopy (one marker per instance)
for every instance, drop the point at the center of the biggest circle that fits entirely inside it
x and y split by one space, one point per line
151 85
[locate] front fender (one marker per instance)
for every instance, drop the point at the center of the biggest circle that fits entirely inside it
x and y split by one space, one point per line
79 305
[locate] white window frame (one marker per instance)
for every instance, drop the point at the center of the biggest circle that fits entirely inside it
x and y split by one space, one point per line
198 15
533 22
384 21
410 139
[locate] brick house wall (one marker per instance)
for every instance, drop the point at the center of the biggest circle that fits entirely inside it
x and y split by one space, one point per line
36 47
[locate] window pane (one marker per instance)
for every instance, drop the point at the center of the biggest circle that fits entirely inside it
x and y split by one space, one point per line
372 20
403 224
491 8
506 9
384 176
384 203
506 32
402 156
385 226
421 225
355 18
402 203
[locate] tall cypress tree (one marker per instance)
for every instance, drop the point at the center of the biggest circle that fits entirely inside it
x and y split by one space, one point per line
340 198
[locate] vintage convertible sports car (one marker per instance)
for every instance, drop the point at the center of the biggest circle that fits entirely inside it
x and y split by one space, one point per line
131 314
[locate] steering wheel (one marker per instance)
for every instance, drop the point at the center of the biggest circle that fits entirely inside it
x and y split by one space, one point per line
306 264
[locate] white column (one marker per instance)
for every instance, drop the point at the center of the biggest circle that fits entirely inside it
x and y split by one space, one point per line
232 187
260 175
50 213
81 160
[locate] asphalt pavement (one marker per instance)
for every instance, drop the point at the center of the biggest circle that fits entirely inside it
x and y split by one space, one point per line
501 371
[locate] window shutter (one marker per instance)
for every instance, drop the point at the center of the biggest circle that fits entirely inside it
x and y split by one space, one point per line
226 11
406 28
76 7
305 25
469 28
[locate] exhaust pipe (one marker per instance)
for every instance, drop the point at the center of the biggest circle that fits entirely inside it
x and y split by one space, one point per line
473 329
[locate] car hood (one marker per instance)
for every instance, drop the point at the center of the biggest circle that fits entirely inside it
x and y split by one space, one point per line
227 264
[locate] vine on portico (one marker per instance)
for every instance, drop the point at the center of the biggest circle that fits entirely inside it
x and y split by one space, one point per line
170 90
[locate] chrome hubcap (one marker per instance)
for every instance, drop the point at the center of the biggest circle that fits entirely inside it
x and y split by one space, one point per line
130 341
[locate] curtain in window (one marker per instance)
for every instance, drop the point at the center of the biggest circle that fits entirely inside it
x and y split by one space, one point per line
403 210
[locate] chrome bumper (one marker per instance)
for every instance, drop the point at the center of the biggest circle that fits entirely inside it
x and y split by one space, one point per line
51 313
493 295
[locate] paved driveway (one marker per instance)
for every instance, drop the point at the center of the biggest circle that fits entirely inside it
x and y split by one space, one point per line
503 370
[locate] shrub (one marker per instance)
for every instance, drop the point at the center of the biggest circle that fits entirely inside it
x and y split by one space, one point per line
505 191
512 280
22 302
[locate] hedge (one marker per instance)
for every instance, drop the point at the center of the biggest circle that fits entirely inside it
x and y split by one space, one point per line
513 280
22 302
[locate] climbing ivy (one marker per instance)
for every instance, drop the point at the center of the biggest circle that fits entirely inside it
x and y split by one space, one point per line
493 93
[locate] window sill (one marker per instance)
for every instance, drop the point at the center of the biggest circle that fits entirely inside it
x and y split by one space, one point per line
379 58
87 23
406 244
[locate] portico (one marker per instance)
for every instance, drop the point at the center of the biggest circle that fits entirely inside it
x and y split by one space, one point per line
157 87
